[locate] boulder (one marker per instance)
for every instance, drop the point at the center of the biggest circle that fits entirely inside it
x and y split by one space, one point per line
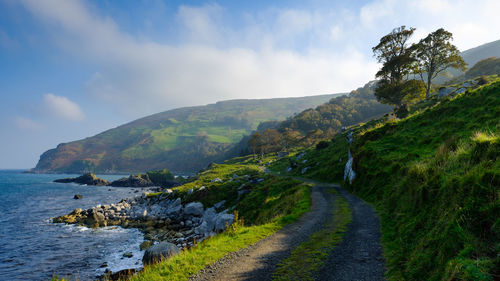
159 252
444 91
194 208
222 220
202 229
209 216
95 219
78 196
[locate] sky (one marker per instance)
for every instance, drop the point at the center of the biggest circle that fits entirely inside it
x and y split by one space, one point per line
70 69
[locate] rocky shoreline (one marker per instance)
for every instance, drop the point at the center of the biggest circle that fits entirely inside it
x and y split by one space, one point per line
140 180
168 225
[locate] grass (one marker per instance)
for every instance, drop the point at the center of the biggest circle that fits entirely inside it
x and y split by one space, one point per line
434 178
309 257
267 207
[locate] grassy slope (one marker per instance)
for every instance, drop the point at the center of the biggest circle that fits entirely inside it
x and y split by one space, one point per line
180 139
267 207
434 177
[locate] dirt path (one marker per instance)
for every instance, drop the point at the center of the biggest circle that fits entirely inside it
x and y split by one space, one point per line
259 261
359 256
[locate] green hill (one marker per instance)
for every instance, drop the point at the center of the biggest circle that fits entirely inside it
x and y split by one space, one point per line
434 178
320 123
181 140
471 57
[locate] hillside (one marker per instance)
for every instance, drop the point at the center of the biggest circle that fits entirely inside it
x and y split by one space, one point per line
433 177
181 140
320 123
471 57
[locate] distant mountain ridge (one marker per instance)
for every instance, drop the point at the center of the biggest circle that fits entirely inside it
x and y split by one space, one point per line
182 140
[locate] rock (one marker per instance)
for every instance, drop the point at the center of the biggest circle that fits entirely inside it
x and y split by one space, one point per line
218 205
145 245
282 154
209 217
158 252
216 180
241 193
88 179
78 196
95 219
194 208
444 91
202 229
133 181
122 275
104 264
128 255
222 220
173 208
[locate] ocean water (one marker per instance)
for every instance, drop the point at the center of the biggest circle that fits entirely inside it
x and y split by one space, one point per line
33 248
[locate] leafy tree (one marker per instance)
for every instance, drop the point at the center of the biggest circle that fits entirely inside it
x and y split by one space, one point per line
434 54
255 142
397 63
270 141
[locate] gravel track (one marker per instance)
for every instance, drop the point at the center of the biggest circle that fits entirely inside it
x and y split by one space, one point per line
359 257
259 261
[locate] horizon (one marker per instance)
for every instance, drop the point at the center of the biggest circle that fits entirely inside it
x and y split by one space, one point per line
74 69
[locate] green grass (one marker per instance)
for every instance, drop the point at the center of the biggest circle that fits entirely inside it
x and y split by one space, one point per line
267 207
189 262
434 178
309 257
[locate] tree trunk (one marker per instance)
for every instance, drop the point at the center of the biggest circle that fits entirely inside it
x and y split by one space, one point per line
428 86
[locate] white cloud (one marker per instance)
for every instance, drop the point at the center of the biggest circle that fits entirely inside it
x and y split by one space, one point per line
201 23
472 22
28 124
376 11
62 107
145 77
275 53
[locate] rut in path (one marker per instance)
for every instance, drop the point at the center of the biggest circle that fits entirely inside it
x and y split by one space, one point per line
359 256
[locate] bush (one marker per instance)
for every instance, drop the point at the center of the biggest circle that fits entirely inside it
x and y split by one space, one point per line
161 177
322 145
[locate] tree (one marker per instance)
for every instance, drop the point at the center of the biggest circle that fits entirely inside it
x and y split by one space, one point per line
255 142
397 63
270 141
434 54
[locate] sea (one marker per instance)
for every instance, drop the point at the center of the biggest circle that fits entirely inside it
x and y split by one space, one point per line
34 248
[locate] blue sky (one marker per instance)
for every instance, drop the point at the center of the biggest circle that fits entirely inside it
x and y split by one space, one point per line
71 69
